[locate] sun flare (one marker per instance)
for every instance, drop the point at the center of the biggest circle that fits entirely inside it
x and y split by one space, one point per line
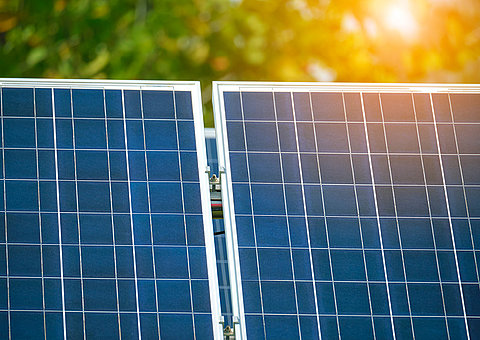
399 17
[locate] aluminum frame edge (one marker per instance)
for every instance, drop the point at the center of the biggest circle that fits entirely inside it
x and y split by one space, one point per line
206 211
228 211
348 87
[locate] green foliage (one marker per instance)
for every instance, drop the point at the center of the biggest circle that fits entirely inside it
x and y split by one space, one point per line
291 40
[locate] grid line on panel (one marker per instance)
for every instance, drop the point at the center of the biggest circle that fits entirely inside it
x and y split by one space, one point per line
112 312
98 181
368 315
107 213
57 187
452 234
253 217
437 263
358 122
77 207
365 185
105 279
5 219
149 204
246 120
111 118
137 304
89 149
184 217
281 247
37 175
260 152
463 188
240 182
365 216
377 216
175 279
112 217
357 206
287 220
322 196
256 314
236 151
358 153
396 215
85 246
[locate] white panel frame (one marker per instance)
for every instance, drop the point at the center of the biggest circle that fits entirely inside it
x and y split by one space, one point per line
226 86
218 89
194 88
206 208
225 175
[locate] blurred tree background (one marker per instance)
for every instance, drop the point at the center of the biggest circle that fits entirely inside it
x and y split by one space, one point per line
277 40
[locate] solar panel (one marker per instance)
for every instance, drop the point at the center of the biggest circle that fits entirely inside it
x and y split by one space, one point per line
354 209
105 220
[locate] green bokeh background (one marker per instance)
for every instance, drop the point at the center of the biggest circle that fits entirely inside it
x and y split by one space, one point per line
207 40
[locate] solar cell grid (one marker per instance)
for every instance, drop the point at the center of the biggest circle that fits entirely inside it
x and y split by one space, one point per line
354 209
104 230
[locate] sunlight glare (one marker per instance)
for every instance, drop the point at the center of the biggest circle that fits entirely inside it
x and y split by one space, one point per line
399 18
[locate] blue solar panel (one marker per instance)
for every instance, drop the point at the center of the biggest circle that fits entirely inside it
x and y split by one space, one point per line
354 209
105 219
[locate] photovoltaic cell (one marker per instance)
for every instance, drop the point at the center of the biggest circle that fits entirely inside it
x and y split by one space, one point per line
105 222
354 209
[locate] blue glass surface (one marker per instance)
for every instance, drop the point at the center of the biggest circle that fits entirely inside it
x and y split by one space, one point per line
62 102
236 139
328 106
283 106
401 138
353 106
286 134
17 102
259 172
183 105
132 104
113 103
232 105
20 164
18 133
164 166
64 133
88 103
101 224
90 134
258 106
331 137
158 104
302 107
45 133
161 135
353 224
43 102
465 107
186 135
335 169
23 228
261 136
